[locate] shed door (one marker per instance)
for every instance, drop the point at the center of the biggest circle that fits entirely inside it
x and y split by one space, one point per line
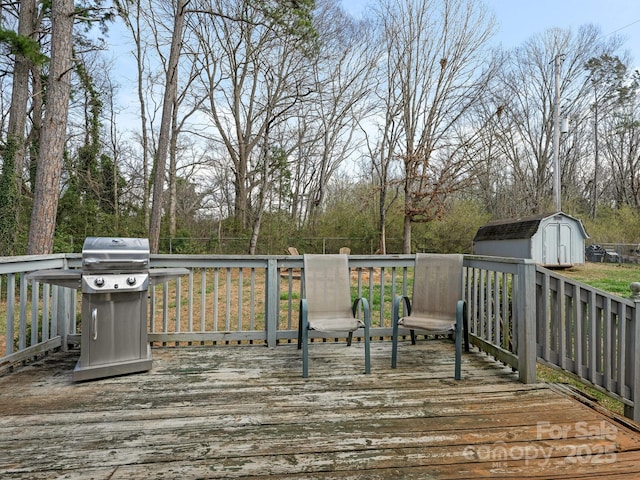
557 244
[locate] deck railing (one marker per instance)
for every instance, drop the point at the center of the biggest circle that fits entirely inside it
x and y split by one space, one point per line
517 312
34 319
591 334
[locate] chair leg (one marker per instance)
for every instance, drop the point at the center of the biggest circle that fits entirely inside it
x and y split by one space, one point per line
458 339
458 371
349 339
413 337
465 327
303 337
367 350
305 351
367 336
394 336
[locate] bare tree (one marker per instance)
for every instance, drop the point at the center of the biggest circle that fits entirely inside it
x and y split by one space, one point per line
620 134
250 79
526 99
611 88
133 14
439 63
343 75
383 145
168 106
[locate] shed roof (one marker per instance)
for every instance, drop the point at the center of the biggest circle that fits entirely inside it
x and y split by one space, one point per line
517 228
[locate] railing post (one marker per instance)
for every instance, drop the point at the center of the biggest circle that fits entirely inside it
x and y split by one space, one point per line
634 352
526 321
272 300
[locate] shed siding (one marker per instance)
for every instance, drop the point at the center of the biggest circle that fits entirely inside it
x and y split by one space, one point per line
553 240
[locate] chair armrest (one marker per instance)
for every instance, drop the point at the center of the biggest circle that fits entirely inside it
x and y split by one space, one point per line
365 308
396 306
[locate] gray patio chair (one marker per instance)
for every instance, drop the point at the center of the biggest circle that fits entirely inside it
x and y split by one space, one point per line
326 306
437 307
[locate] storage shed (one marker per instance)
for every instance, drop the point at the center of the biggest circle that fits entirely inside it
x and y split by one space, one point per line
551 240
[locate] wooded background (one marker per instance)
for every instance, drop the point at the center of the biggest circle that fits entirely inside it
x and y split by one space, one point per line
275 123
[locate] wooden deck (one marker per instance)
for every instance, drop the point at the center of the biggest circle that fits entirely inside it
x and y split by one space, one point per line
245 412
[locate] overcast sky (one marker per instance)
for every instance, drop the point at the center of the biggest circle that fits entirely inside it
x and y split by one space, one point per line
519 19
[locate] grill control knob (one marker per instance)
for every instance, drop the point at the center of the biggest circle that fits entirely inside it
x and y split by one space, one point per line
131 281
99 282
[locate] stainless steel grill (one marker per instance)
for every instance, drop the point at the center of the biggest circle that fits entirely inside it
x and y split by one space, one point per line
114 281
115 265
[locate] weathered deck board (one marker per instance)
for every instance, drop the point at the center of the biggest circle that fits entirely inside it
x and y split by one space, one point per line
238 412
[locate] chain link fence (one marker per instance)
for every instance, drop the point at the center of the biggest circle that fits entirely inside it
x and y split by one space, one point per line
240 245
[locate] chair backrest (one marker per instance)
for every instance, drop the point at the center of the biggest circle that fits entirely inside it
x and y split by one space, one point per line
292 251
327 286
437 284
345 250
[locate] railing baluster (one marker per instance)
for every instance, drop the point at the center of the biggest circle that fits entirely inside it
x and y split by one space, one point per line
562 324
240 292
252 300
190 302
152 308
593 339
165 307
227 313
382 284
621 349
608 343
371 284
178 303
10 323
203 302
489 306
35 292
579 340
46 298
216 310
507 314
22 340
483 307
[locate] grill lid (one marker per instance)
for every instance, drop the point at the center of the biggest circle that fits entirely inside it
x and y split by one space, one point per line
115 255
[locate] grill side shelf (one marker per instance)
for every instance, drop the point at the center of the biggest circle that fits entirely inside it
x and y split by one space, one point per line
56 276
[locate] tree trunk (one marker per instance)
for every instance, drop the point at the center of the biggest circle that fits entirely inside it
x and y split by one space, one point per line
10 179
37 107
596 161
406 235
136 31
171 88
173 174
54 129
382 222
264 185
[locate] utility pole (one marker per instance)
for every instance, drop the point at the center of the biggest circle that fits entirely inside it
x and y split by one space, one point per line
557 194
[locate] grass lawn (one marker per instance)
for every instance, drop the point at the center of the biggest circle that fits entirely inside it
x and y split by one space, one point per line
610 277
